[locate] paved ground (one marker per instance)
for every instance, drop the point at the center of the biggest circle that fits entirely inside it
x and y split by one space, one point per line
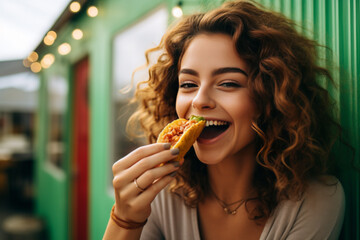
10 207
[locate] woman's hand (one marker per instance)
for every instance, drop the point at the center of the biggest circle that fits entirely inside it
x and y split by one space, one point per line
138 178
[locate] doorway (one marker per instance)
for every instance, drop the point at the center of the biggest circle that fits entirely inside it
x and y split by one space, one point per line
80 159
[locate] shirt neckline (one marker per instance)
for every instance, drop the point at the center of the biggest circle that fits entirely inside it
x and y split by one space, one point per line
195 224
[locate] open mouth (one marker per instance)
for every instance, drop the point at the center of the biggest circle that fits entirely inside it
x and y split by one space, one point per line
214 129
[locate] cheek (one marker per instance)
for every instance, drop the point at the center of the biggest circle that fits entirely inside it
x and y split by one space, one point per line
242 108
182 105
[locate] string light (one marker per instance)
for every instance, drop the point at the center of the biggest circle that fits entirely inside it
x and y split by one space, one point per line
75 7
64 49
177 11
52 34
50 37
92 11
47 60
33 57
26 62
77 34
35 67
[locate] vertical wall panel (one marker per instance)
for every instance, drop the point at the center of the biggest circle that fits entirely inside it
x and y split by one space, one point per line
345 112
332 41
277 5
286 8
320 34
348 106
308 17
297 13
355 51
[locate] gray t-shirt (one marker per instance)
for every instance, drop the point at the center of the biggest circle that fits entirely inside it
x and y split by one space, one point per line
317 216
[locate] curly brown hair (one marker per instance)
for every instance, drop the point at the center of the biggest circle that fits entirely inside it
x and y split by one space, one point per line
295 127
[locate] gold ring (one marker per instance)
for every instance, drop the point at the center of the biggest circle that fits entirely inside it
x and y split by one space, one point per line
137 185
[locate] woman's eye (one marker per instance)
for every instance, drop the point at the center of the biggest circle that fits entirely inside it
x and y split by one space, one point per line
187 85
230 85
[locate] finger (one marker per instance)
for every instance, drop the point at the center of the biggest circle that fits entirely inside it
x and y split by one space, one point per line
151 162
148 178
138 154
150 193
125 177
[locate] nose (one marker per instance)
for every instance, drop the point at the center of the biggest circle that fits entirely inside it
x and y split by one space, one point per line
203 100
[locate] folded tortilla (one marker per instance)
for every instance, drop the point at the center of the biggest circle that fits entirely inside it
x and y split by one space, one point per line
182 133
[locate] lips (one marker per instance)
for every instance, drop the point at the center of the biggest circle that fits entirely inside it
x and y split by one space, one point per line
214 129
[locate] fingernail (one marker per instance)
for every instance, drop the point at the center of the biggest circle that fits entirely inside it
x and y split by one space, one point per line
176 164
167 146
173 174
174 151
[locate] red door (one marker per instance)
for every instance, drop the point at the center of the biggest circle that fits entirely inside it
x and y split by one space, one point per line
80 162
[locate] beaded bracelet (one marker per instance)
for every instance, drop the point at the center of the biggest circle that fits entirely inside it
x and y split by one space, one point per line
125 224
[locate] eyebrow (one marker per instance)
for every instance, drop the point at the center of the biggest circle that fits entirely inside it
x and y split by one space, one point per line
215 72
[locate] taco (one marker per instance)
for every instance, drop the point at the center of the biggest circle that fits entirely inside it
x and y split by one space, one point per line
182 133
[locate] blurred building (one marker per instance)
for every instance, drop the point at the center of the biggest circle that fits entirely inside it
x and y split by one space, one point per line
86 61
18 107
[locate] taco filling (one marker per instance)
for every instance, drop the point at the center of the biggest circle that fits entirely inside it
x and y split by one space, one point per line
176 130
182 134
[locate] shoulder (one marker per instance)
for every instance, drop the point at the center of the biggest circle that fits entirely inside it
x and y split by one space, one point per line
326 192
322 210
324 202
318 214
324 195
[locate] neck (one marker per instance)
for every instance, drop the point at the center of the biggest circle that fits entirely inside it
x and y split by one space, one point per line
231 180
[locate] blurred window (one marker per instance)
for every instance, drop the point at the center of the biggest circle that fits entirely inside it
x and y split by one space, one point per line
16 134
129 54
57 88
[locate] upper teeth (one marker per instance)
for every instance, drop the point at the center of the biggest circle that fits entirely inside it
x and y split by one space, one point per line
215 123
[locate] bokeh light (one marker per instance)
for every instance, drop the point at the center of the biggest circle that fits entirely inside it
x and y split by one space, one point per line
33 57
50 37
92 11
177 12
77 34
64 49
75 6
47 60
35 67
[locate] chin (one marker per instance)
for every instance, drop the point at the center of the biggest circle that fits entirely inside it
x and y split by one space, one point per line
208 157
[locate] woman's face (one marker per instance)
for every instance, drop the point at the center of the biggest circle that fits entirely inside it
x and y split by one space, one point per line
213 84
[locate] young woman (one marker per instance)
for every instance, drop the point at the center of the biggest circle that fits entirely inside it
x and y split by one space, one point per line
258 170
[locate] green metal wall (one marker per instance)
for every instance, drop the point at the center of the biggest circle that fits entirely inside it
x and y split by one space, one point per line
333 23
